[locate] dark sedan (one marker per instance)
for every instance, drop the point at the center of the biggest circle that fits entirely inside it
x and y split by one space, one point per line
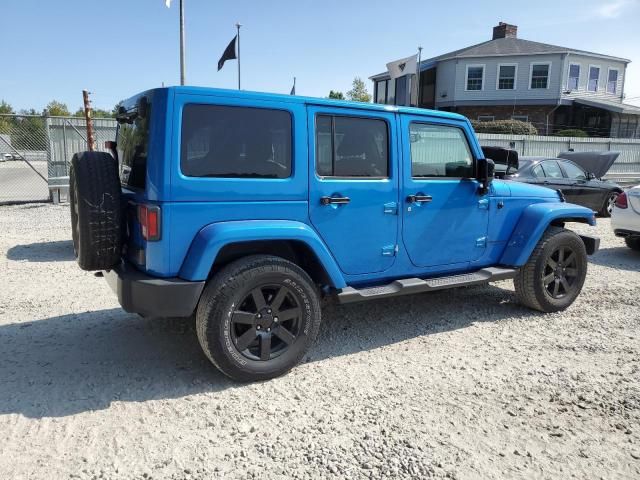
577 184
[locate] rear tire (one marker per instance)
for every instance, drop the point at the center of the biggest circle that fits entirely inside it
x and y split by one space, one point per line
633 243
257 317
554 275
609 202
96 214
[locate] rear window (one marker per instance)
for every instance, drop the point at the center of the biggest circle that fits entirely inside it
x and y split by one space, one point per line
235 142
133 144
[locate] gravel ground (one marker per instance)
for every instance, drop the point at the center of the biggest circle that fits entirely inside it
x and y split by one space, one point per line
460 384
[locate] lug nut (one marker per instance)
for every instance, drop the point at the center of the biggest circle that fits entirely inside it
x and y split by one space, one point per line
268 310
268 329
275 319
257 327
259 315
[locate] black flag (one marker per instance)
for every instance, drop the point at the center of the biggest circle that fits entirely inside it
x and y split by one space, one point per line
229 53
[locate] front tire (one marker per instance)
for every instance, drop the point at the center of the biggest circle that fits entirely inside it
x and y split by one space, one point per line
553 276
258 317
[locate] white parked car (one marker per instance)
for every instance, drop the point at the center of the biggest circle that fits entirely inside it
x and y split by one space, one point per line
625 217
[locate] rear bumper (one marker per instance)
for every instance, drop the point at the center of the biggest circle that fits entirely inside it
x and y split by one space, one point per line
620 232
153 296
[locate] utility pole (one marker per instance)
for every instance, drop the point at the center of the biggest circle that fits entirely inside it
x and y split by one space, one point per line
91 140
238 25
182 67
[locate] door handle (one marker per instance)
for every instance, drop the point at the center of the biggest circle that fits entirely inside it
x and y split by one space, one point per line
545 182
419 198
334 200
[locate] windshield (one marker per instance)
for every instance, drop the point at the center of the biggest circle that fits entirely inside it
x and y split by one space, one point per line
132 138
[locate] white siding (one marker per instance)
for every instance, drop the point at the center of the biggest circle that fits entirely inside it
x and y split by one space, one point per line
584 62
490 91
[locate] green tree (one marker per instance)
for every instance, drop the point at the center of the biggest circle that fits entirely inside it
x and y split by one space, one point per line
57 109
5 122
95 113
336 95
359 91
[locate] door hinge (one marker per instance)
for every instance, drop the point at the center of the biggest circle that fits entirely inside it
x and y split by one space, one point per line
481 242
483 204
389 250
391 208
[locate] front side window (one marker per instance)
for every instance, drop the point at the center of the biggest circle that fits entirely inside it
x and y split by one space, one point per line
612 81
506 77
594 77
574 171
486 118
574 77
351 147
475 75
551 169
439 151
540 75
235 142
520 118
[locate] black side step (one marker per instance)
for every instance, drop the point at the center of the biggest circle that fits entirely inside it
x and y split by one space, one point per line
416 285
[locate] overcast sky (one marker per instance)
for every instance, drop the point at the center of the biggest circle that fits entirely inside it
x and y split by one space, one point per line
115 48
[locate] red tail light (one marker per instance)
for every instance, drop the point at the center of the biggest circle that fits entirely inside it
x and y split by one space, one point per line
149 218
621 201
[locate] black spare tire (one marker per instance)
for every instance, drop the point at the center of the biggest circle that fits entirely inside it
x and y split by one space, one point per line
96 213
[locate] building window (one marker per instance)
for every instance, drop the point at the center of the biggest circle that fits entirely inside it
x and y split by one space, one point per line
439 151
612 81
507 76
401 90
594 78
351 147
475 77
520 118
486 118
381 91
235 142
540 75
574 76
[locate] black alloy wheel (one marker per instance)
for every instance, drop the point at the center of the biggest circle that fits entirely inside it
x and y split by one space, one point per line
561 272
266 322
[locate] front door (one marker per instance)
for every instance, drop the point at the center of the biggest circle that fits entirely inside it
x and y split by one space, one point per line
445 219
353 186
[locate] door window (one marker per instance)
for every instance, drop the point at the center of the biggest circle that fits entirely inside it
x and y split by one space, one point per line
574 171
439 151
352 147
537 171
552 169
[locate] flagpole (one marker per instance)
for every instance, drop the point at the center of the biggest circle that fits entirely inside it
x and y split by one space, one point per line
418 76
238 27
182 68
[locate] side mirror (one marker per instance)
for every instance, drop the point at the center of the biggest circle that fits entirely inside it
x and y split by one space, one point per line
486 172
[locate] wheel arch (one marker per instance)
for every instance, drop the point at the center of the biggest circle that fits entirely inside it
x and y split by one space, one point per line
534 221
221 243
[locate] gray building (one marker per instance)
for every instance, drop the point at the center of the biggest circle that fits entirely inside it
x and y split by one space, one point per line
553 87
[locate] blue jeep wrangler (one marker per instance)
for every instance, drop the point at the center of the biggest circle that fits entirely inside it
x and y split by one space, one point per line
246 208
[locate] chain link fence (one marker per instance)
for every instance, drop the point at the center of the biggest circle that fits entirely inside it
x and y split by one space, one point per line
35 152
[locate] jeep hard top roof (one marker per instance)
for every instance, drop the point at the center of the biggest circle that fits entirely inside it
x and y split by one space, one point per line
279 97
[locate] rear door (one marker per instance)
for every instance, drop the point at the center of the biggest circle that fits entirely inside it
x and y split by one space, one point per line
445 219
353 186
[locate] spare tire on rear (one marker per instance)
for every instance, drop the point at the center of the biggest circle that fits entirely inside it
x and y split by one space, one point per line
96 213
